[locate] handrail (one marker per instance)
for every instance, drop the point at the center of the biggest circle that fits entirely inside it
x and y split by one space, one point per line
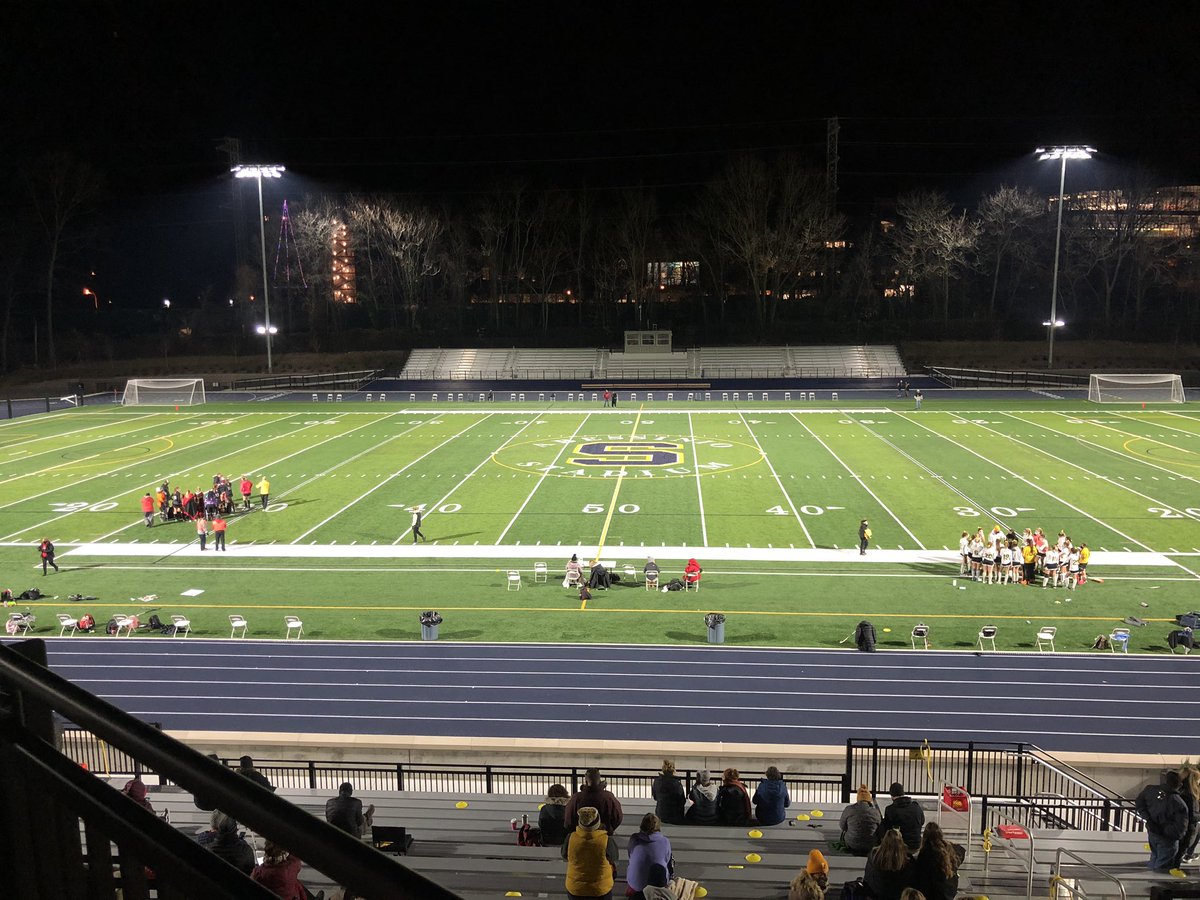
1029 834
326 848
1056 879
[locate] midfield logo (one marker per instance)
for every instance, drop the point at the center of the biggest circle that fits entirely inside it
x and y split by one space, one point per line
634 453
613 456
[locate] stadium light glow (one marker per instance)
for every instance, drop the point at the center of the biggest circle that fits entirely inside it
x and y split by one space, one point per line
258 173
1062 152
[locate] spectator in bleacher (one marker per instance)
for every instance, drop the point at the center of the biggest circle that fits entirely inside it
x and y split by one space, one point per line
805 887
595 793
1190 776
911 893
591 856
703 795
733 800
658 885
552 816
771 798
135 790
903 813
231 846
647 847
669 795
280 872
889 867
936 868
1166 816
818 868
246 767
860 821
345 811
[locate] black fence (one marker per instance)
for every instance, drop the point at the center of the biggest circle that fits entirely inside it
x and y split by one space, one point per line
968 378
1021 780
343 380
67 833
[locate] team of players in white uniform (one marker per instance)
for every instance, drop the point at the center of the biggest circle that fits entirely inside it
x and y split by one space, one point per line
1006 558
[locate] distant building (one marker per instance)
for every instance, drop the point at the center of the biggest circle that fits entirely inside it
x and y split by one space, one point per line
345 284
1171 213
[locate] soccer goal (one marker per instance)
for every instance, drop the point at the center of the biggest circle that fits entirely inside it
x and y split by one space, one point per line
1135 389
163 392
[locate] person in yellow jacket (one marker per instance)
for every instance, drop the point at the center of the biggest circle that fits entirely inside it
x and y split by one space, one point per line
591 856
1084 555
264 490
864 537
1029 560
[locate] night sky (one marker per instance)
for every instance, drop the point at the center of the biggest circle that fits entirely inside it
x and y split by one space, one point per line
450 98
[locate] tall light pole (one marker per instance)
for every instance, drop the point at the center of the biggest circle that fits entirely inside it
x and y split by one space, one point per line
1061 153
258 173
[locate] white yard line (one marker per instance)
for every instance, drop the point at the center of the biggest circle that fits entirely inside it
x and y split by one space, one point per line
1036 487
778 481
1181 416
699 492
59 448
1113 450
343 462
128 489
862 483
521 508
395 474
1155 424
1142 437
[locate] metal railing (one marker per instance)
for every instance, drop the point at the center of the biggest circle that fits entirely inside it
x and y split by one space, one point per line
1017 776
960 377
1058 883
352 380
45 787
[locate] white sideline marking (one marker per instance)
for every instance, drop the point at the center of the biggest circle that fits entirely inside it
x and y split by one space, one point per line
516 551
699 492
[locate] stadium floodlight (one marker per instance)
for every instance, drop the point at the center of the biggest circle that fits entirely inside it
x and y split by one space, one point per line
258 173
1062 152
266 329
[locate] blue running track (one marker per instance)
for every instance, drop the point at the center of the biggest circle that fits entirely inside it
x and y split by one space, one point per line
1062 702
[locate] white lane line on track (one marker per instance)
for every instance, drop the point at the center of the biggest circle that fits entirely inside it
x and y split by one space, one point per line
778 481
862 483
384 481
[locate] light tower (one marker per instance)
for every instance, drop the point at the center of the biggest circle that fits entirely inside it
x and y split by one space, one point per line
1062 153
258 173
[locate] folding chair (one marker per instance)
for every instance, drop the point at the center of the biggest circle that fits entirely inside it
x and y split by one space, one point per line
236 622
19 624
514 580
66 622
987 633
125 622
540 573
1046 636
631 573
293 623
181 623
1119 636
920 630
652 581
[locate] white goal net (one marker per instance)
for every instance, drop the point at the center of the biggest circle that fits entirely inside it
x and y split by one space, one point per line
163 392
1135 389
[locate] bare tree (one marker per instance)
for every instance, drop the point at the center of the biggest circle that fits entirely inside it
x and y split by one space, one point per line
933 244
1008 222
632 236
316 226
62 191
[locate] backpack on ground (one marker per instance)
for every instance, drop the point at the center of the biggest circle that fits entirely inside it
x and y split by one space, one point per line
674 584
1101 642
529 835
168 630
87 622
111 627
155 622
856 890
31 594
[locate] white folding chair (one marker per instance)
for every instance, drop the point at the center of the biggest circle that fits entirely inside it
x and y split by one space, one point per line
1119 636
540 572
19 624
293 624
692 585
631 573
181 623
125 622
514 580
236 622
920 630
987 633
65 622
652 581
1046 636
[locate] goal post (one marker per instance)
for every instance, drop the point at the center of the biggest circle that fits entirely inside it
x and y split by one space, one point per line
1135 389
163 392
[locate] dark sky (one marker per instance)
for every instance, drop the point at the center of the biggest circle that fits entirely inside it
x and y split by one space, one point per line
454 96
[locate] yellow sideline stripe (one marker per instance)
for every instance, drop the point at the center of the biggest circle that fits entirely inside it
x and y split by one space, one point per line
612 504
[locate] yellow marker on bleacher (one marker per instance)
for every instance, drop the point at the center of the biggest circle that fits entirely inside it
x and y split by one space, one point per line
754 833
753 858
512 894
817 814
461 804
702 891
737 867
802 818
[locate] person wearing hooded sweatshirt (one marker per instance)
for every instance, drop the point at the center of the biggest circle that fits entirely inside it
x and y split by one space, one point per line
935 873
733 800
231 846
691 574
771 799
647 847
669 796
551 816
135 790
859 823
591 856
703 795
905 814
889 868
595 794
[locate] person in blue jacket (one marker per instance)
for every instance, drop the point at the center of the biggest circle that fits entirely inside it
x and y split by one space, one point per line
771 799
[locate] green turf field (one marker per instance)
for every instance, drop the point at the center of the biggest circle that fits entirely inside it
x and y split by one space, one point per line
768 497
